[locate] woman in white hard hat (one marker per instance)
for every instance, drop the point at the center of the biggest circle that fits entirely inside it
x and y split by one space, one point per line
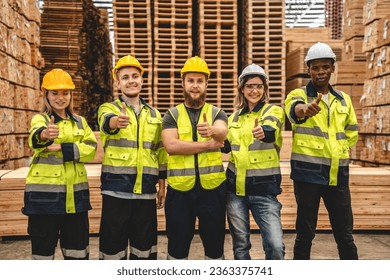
253 173
56 199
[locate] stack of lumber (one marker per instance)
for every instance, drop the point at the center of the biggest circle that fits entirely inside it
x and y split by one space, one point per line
133 36
75 37
264 21
20 97
370 191
173 46
333 19
218 46
375 128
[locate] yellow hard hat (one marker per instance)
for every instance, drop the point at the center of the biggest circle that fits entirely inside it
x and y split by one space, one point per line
57 79
127 60
195 65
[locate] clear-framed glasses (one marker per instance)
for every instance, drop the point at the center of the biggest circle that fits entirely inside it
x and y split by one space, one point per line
254 86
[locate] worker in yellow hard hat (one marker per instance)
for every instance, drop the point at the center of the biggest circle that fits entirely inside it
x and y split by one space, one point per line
193 133
324 129
134 162
56 198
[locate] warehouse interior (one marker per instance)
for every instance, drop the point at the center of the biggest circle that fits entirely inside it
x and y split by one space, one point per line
86 38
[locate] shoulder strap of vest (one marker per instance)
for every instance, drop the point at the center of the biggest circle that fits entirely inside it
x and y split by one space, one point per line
236 115
215 111
174 112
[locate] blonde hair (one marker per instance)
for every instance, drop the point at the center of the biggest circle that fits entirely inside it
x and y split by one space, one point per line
240 100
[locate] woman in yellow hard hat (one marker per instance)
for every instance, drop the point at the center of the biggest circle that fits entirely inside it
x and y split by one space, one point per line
56 198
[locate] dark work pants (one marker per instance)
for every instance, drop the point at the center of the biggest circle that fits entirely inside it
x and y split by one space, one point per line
337 201
181 211
71 229
127 221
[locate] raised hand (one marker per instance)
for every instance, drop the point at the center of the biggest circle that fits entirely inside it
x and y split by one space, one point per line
258 131
313 108
204 129
123 119
51 132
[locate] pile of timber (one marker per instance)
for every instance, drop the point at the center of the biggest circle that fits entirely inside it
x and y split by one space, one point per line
75 37
370 191
21 61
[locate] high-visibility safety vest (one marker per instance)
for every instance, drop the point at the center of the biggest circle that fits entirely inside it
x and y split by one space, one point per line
133 156
57 182
320 152
254 164
181 168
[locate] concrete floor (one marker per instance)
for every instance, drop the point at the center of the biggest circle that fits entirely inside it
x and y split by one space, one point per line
371 246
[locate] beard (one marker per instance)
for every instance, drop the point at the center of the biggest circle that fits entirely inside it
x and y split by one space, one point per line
194 102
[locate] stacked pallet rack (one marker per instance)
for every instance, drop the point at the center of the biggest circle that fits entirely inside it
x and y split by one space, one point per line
218 46
266 45
376 98
350 72
333 17
74 37
172 47
20 97
133 36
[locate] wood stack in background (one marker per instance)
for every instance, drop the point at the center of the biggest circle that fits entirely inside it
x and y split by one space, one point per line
349 74
20 97
334 17
266 44
376 97
173 46
133 36
75 37
218 46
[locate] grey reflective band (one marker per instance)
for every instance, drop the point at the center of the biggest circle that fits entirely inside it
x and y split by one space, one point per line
79 122
236 115
311 159
55 188
122 143
117 256
51 159
77 254
235 147
298 98
343 102
315 131
275 119
174 112
152 146
267 109
90 143
181 172
256 172
258 145
344 162
341 136
143 254
352 127
129 170
211 169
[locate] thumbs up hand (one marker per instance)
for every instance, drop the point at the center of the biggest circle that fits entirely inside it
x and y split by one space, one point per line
204 129
123 119
51 132
258 131
313 108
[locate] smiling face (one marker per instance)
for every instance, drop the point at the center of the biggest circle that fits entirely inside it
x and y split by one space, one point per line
320 71
129 81
194 86
59 100
253 91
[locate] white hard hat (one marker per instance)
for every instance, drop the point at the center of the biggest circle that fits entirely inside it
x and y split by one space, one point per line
252 69
320 50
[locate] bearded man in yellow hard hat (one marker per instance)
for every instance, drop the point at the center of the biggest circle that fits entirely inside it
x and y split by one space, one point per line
193 133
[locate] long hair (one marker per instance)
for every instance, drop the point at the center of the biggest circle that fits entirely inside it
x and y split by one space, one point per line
240 100
46 108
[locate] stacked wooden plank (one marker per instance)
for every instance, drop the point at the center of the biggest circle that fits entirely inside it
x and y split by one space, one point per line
218 46
266 44
370 191
376 97
20 97
133 35
173 46
333 18
75 37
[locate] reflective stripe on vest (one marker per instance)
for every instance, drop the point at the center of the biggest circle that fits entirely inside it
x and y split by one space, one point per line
181 168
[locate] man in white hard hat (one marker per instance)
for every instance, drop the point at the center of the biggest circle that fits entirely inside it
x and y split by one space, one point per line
325 128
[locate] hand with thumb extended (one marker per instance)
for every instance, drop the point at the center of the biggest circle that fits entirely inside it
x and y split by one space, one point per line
204 129
258 131
51 132
318 99
123 119
204 118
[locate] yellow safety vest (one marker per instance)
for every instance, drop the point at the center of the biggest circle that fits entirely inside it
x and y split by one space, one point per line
181 168
250 157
